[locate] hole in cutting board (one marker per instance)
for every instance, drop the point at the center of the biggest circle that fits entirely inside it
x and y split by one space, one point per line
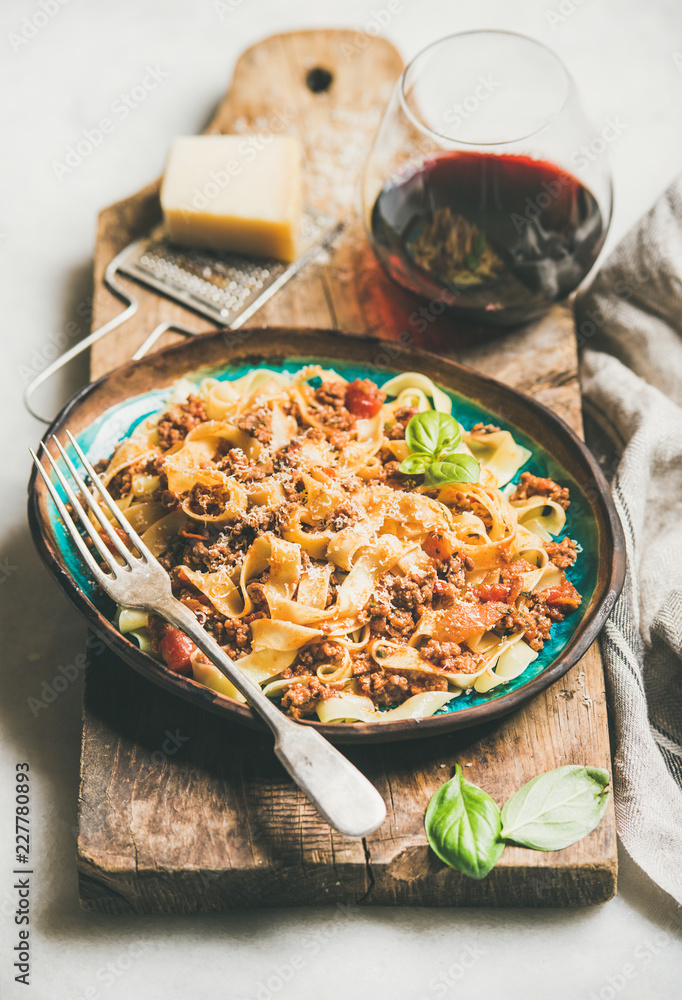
318 80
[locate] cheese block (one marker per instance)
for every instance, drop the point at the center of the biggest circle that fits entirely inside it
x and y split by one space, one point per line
242 193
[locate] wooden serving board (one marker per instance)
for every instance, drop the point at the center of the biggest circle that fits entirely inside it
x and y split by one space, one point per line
182 811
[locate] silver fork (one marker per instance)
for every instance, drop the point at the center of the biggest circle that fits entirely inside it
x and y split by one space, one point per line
340 793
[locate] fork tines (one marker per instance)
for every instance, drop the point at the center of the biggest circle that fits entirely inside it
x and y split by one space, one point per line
97 513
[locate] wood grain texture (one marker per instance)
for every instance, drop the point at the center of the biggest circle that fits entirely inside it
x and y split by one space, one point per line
181 811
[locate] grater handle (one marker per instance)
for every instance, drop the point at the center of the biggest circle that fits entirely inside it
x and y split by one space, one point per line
73 352
156 333
121 262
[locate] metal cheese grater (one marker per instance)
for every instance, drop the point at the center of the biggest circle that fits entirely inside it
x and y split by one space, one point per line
224 287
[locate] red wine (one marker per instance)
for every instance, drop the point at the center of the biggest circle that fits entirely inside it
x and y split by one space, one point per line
497 238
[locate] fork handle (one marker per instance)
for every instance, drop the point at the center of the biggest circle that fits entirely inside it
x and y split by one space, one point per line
337 789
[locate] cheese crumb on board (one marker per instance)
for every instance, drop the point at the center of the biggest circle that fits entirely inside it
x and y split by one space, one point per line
235 192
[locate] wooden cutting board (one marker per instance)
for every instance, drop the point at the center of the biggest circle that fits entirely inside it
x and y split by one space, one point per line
182 811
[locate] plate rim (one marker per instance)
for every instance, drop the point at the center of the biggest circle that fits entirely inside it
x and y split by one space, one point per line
346 733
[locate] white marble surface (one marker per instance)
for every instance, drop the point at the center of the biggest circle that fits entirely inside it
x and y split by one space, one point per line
61 81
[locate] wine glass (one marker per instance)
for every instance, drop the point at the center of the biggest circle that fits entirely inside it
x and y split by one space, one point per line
486 187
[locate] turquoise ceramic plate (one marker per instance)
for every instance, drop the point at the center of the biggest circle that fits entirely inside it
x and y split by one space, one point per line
109 410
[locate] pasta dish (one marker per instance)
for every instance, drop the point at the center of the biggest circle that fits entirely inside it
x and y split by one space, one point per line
360 554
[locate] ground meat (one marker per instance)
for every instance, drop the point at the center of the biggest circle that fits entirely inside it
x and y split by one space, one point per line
563 553
363 664
410 593
157 628
198 556
385 455
332 590
332 411
402 419
342 517
312 434
197 603
535 486
445 593
392 468
322 652
535 620
301 699
152 466
292 409
516 621
449 656
481 428
210 502
396 479
386 688
121 484
177 422
207 554
169 499
167 560
331 394
462 503
225 548
250 525
258 424
289 485
454 570
386 620
288 458
392 624
336 420
399 602
338 439
234 634
235 463
541 616
256 592
283 518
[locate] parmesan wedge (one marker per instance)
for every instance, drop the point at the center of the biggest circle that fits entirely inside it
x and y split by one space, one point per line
235 192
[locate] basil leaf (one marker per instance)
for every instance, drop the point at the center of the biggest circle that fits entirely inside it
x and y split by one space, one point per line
421 433
557 808
415 463
432 432
461 469
450 433
454 457
462 825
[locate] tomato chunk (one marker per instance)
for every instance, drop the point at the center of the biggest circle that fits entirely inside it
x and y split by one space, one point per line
108 542
364 398
463 620
566 598
176 649
495 592
438 547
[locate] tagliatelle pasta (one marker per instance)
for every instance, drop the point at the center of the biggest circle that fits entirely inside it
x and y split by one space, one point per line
349 589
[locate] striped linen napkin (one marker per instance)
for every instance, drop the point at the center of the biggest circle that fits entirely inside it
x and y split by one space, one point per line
629 326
